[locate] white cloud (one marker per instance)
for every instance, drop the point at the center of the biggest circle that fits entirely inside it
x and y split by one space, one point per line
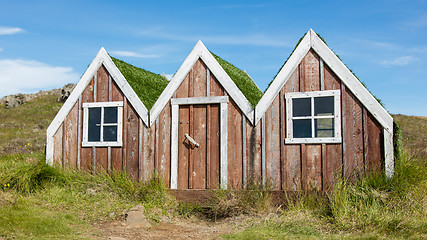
133 54
28 76
10 30
400 61
1 49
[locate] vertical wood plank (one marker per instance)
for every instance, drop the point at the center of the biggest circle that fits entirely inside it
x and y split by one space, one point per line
79 132
214 164
332 165
234 151
208 137
373 144
282 123
57 146
132 137
303 166
292 155
331 81
244 164
165 144
199 153
190 156
117 152
199 79
215 88
313 167
156 147
352 135
263 170
140 150
311 72
183 146
70 137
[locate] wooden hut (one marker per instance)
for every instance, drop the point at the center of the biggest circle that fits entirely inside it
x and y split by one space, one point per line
319 122
209 127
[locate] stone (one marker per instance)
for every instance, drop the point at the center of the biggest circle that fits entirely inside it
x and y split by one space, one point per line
136 217
66 91
116 238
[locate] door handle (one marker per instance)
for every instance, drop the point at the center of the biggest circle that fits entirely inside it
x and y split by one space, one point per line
191 140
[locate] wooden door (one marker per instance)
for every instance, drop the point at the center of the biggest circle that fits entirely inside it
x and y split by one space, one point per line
199 160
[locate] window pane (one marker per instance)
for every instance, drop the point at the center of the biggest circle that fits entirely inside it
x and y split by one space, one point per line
302 128
324 106
324 127
301 107
110 114
94 128
110 133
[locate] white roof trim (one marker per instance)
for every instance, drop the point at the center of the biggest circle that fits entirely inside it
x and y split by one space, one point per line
102 58
311 40
200 51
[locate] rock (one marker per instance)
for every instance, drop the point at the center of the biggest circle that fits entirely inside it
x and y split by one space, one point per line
66 91
136 217
116 238
15 100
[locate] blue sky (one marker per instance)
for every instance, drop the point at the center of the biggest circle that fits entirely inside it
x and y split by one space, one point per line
45 44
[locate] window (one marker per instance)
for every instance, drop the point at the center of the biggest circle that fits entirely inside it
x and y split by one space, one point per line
102 124
313 117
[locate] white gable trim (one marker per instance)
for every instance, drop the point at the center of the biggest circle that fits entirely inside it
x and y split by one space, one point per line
102 58
200 51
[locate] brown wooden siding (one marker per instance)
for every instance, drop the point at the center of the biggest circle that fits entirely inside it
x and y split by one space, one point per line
68 145
292 167
316 166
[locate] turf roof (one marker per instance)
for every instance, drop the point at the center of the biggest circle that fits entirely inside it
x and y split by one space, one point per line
147 85
246 85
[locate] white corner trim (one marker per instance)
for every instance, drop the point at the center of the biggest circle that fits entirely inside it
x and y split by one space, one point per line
282 77
388 154
200 51
102 58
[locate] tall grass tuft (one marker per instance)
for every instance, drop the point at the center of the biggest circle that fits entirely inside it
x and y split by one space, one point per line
30 177
395 205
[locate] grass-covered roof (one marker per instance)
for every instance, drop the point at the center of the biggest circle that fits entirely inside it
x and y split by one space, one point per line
242 80
147 85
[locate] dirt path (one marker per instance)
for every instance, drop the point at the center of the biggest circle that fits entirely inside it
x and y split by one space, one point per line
176 229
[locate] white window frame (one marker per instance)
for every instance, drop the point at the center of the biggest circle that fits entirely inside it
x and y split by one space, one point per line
119 124
289 117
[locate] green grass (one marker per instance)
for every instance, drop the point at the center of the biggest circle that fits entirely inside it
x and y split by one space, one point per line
38 201
373 207
414 134
23 128
147 85
246 85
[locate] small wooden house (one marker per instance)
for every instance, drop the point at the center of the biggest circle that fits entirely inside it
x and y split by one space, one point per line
211 127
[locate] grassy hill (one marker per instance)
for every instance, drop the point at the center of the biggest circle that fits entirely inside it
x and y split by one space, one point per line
41 202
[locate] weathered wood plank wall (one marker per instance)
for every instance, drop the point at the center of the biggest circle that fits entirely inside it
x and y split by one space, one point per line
255 153
315 166
67 144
